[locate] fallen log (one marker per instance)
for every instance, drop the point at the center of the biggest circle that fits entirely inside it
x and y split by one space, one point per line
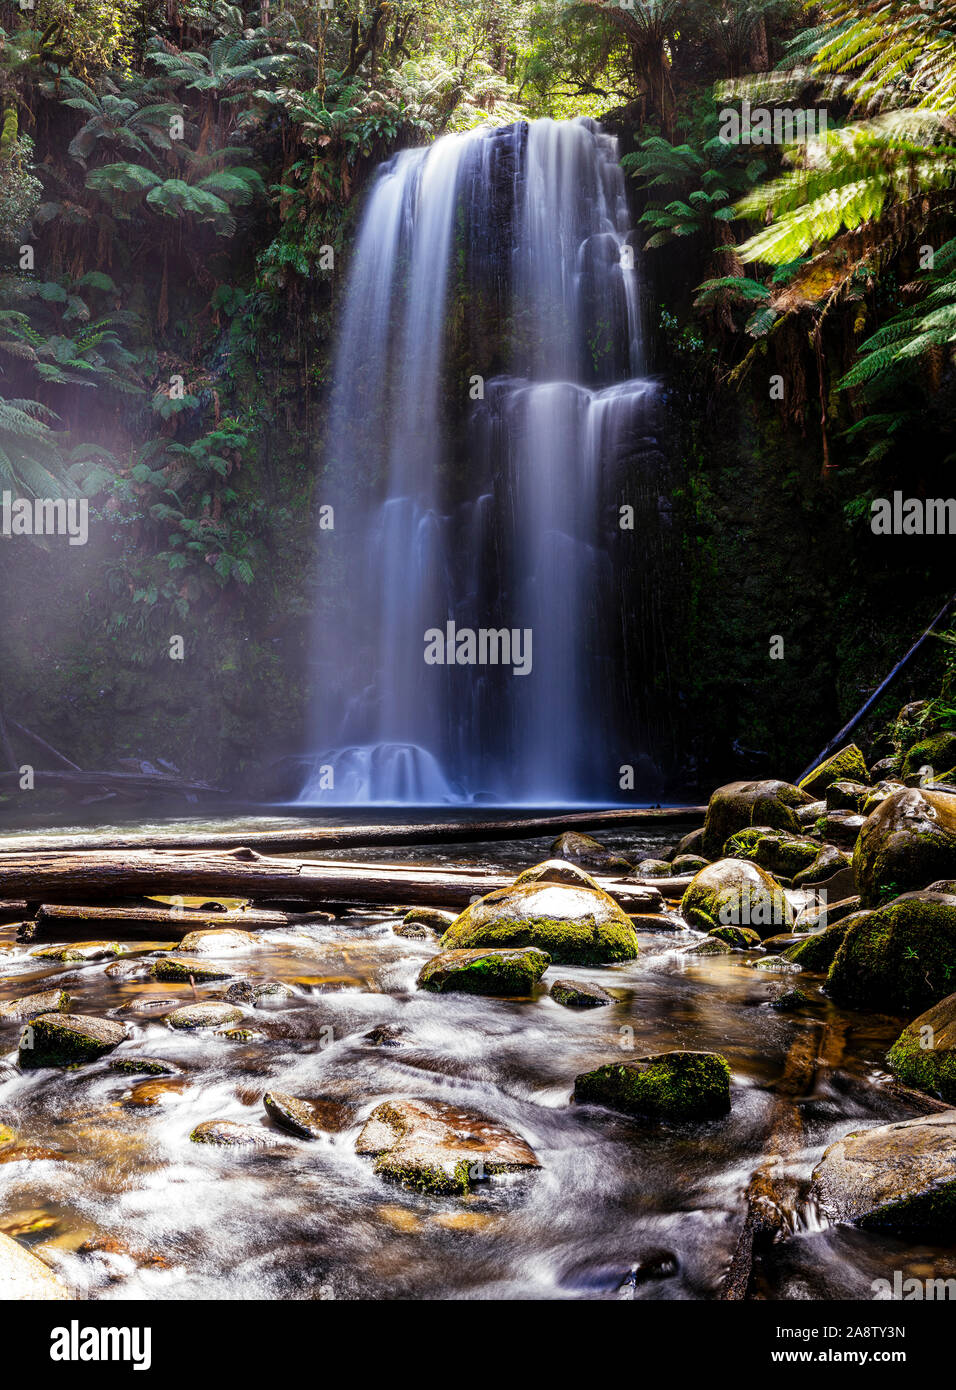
90 878
63 922
13 911
306 838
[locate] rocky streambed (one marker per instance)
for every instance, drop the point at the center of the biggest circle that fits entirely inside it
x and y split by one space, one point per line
540 1097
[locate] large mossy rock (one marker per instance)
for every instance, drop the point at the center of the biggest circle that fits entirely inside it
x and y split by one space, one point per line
739 804
24 1277
671 1085
924 1055
48 1001
849 765
774 850
506 972
440 1148
900 958
938 752
556 871
68 1040
906 843
182 968
576 926
829 862
736 893
589 853
899 1178
817 950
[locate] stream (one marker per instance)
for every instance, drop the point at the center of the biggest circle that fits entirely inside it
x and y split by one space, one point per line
100 1175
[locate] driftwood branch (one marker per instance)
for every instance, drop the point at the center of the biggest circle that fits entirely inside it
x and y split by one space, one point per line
156 922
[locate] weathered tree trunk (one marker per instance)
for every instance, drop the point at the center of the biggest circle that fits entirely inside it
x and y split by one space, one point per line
91 878
154 923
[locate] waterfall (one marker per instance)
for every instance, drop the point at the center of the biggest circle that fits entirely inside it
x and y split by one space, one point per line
487 420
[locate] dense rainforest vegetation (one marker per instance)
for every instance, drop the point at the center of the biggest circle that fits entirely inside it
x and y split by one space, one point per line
180 183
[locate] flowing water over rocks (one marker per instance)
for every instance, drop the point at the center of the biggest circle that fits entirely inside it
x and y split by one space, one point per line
103 1172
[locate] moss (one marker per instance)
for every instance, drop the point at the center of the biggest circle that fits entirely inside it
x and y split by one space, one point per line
848 765
930 1214
938 752
900 958
773 850
818 950
583 941
741 938
574 996
924 1068
66 1040
673 1085
506 972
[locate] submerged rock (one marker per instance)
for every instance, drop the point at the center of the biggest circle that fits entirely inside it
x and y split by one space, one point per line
588 853
28 1006
924 1055
78 951
580 995
504 972
144 1066
849 765
66 1040
736 893
254 991
909 840
304 1118
576 926
145 1095
740 804
208 1014
710 946
672 1085
182 968
900 958
440 1148
899 1177
229 1134
24 1276
386 1035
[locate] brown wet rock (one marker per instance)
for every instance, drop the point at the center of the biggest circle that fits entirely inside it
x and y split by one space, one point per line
143 1066
575 994
440 1148
147 1094
31 1005
258 991
181 969
230 1134
588 853
307 1119
216 941
78 951
386 1035
208 1014
146 1006
66 1040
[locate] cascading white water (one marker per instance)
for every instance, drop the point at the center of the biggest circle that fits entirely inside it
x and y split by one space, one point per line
486 405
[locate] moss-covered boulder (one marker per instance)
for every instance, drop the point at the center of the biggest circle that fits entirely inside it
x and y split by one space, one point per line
820 915
817 950
737 938
877 794
846 796
588 853
849 765
774 850
432 918
440 1148
575 994
143 1066
924 1055
938 752
907 842
556 871
710 946
899 1178
68 1040
684 864
900 958
576 926
829 861
671 1085
739 804
489 971
257 992
842 828
78 951
736 893
653 868
48 1001
182 968
208 1014
691 844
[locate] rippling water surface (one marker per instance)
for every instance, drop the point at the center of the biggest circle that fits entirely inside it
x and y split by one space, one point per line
113 1192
